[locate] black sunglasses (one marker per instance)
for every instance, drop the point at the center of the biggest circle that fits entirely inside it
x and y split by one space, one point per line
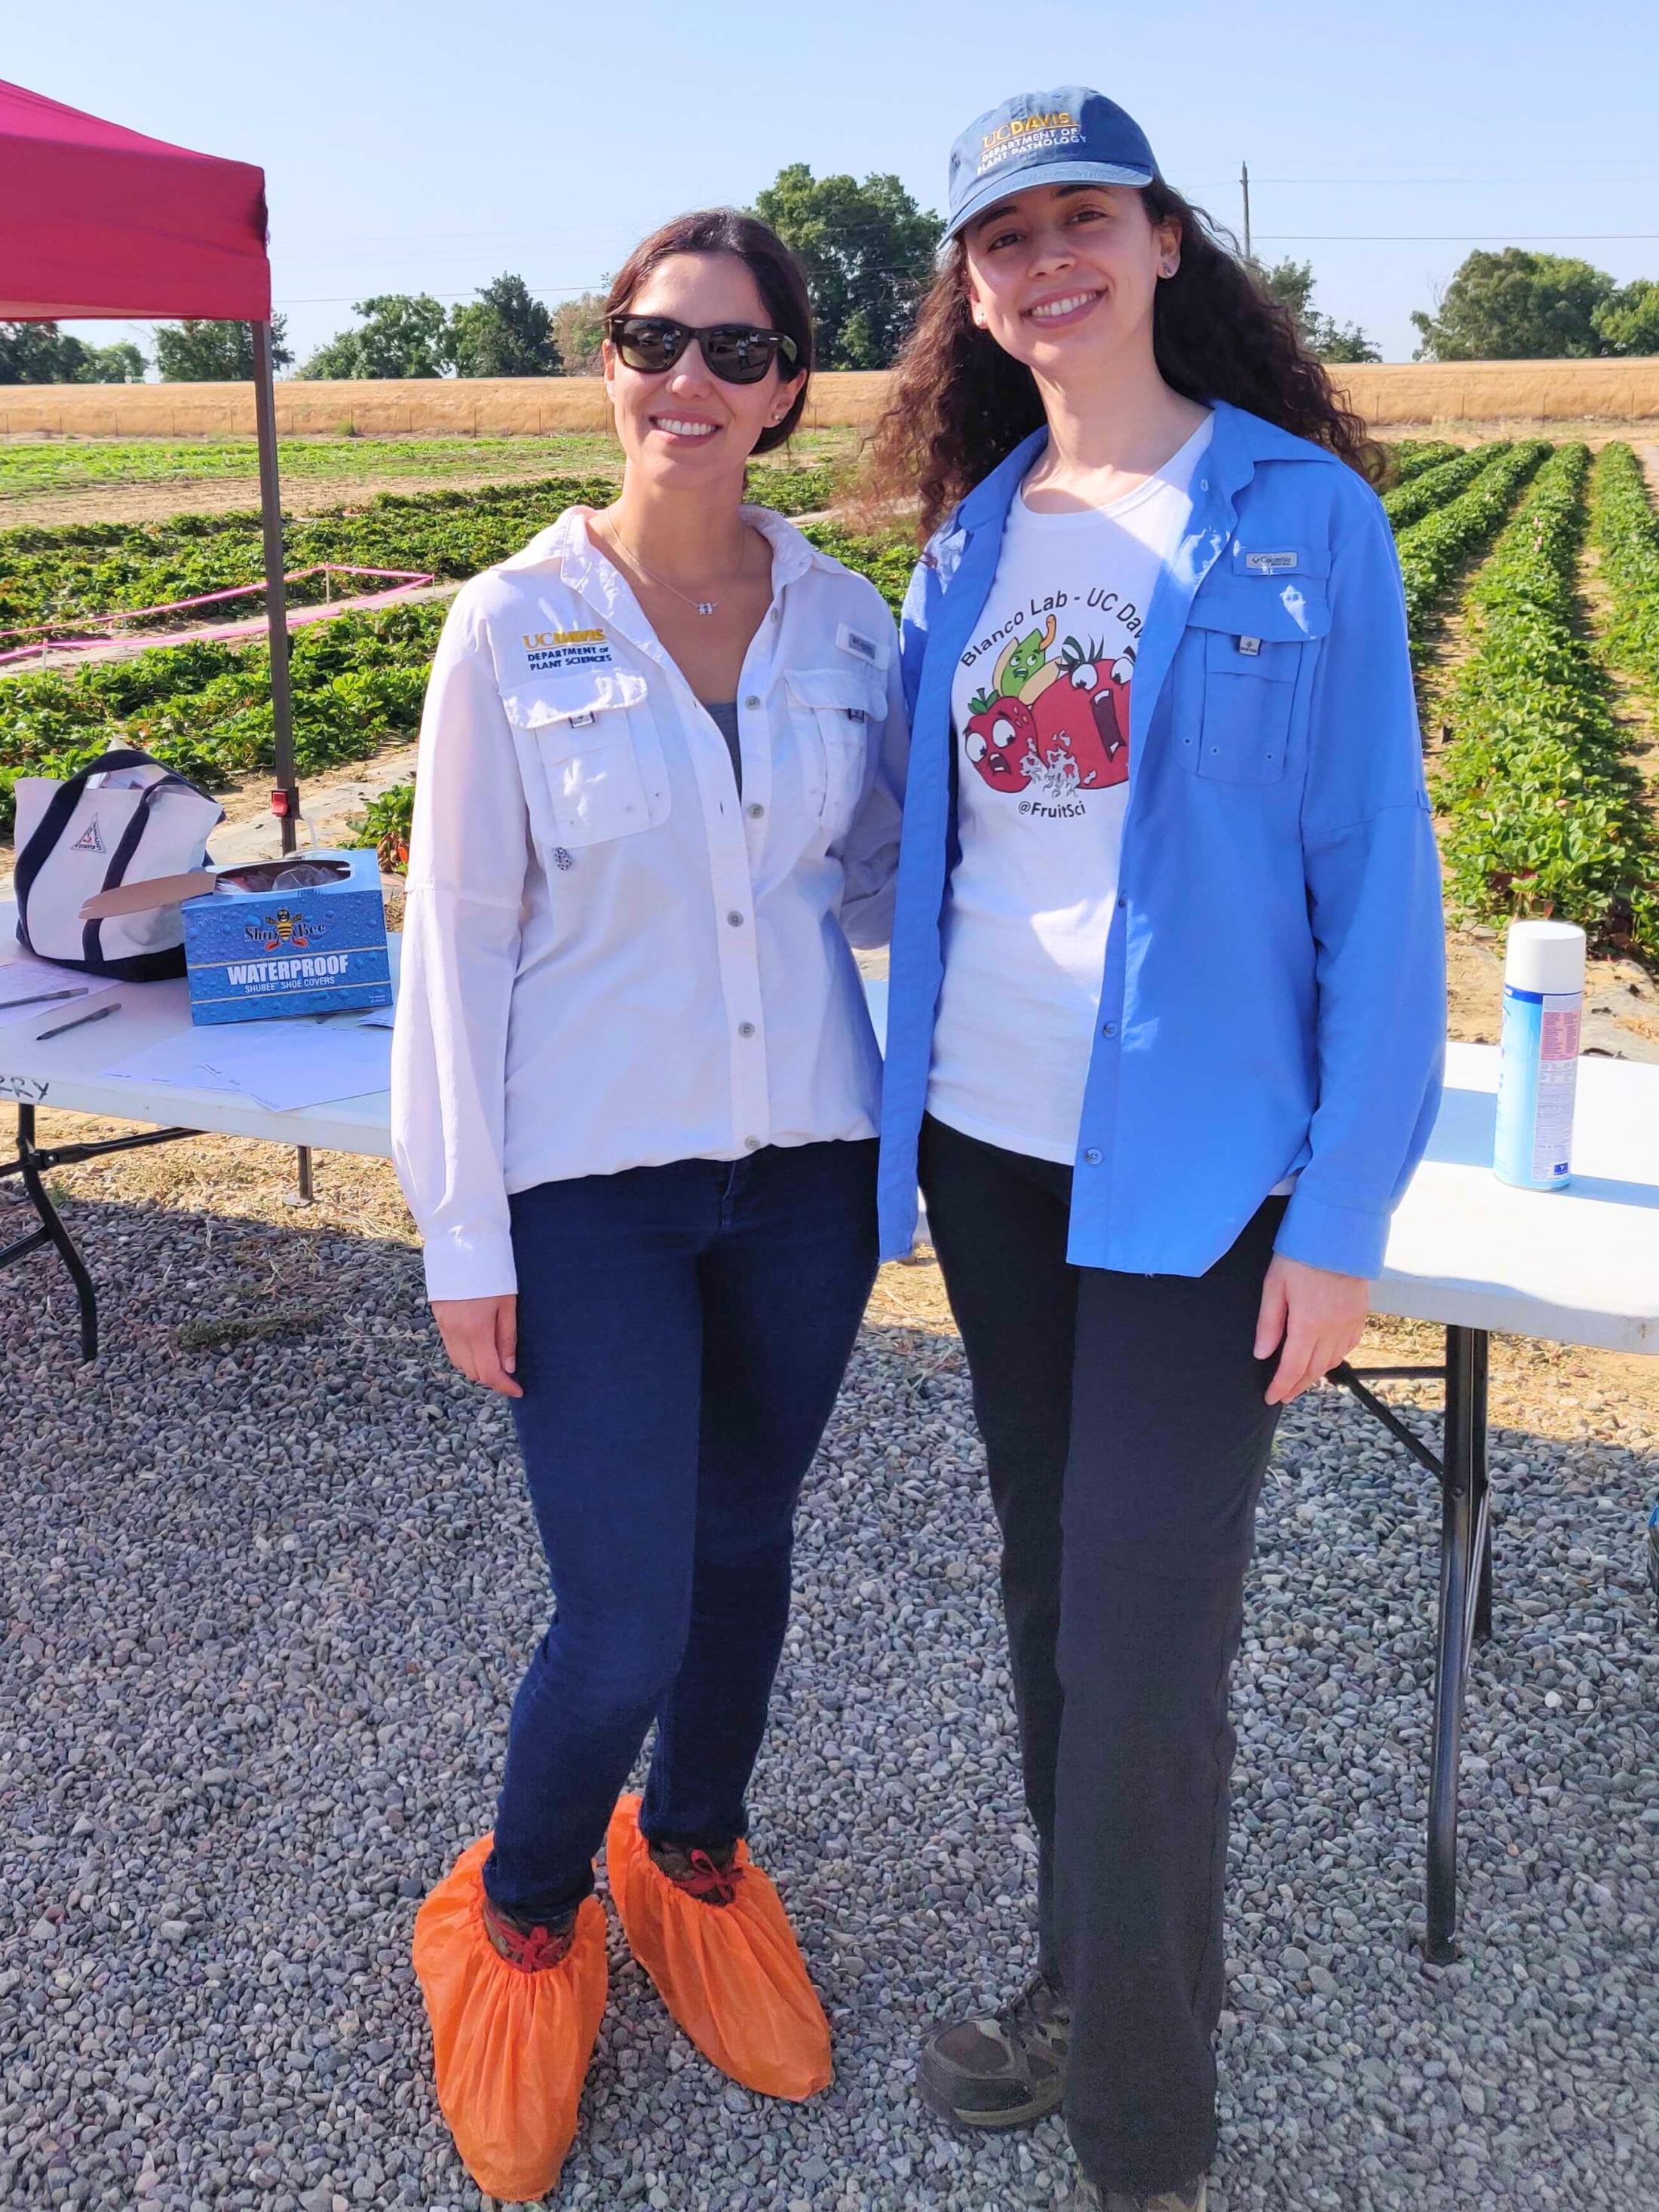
735 352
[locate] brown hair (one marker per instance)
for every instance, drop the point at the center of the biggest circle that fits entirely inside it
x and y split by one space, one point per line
774 269
959 404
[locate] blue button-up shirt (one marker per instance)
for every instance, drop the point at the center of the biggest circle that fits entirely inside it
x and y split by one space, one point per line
1273 996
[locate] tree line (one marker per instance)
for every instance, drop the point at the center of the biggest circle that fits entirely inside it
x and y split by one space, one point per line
868 252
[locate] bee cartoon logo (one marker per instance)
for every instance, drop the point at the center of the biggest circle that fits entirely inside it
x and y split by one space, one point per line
283 932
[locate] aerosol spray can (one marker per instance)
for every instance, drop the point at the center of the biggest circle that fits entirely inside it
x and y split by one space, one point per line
1543 1008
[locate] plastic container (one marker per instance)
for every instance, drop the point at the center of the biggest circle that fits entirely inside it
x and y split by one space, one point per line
1538 1073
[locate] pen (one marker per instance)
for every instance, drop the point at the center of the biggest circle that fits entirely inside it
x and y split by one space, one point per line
40 998
79 1022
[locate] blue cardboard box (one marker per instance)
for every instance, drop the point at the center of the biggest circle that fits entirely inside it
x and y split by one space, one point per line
316 949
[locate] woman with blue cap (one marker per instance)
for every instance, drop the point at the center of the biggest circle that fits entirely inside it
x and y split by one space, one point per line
1164 1029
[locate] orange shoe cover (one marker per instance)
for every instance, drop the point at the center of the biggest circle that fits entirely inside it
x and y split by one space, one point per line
731 1975
510 2050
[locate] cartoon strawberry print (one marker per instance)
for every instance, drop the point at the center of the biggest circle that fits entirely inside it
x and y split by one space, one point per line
1000 739
1087 711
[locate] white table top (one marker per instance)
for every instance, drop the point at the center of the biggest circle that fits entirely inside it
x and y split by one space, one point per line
67 1073
1580 1266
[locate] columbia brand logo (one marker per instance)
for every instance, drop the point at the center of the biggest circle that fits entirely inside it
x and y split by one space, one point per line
1269 564
1251 645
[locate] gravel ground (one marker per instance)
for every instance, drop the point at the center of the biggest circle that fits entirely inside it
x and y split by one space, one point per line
269 1579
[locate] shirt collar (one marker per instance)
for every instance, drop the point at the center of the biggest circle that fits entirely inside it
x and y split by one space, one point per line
585 569
1238 442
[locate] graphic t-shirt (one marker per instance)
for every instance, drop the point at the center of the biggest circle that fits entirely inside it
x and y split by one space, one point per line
1040 713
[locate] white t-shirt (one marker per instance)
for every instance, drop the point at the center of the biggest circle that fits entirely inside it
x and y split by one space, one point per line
1040 713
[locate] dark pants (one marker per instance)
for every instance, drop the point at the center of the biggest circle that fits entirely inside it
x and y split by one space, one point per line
683 1332
1127 1435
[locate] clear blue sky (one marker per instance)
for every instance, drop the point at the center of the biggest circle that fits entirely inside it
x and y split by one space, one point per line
415 146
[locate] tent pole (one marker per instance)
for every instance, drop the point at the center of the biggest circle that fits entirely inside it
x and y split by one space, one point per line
285 798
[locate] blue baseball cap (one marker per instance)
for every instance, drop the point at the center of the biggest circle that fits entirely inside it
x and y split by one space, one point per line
1068 137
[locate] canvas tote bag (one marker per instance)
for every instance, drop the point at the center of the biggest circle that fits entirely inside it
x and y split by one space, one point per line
125 818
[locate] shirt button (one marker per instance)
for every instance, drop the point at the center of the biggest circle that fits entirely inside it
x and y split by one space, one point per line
755 812
1122 903
1110 1030
752 1143
777 615
735 919
752 701
745 1028
1093 1156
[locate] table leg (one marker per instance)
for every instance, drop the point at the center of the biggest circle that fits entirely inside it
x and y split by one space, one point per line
302 1173
52 1228
31 1164
1464 1525
1482 1623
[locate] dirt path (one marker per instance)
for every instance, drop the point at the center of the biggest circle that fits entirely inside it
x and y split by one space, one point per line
329 802
302 498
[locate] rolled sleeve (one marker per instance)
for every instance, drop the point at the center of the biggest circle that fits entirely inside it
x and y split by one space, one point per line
1374 902
469 854
871 850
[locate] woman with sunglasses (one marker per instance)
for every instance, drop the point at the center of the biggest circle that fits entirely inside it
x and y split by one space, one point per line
635 1100
1164 1029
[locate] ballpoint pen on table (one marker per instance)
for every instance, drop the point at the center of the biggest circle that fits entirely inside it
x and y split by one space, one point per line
79 1022
40 998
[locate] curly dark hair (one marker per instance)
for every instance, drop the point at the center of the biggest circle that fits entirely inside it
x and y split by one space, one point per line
959 404
776 272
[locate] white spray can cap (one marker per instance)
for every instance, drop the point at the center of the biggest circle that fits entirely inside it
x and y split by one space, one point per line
1545 955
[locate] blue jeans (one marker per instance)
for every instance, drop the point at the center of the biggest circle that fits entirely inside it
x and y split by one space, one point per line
683 1332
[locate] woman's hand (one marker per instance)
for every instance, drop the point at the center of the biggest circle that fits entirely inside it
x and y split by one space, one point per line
481 1336
1317 1316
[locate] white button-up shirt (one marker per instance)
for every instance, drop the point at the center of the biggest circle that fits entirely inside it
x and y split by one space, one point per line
610 960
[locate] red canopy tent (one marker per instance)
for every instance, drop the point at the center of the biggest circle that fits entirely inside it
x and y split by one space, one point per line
100 221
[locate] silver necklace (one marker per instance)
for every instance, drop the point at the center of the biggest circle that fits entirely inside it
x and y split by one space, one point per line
702 606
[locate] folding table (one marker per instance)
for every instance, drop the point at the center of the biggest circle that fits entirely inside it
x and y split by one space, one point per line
1579 1266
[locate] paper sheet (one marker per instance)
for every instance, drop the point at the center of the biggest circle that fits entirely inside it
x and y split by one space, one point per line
284 1065
287 1065
175 1060
22 976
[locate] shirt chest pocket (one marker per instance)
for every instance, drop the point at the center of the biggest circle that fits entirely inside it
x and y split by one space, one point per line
834 713
592 760
1242 665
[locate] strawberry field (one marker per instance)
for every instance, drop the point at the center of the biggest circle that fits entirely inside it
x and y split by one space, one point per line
1546 695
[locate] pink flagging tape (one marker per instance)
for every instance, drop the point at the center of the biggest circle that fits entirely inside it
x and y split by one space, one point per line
215 633
42 642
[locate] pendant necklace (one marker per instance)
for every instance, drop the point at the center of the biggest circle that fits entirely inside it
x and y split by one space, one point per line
702 606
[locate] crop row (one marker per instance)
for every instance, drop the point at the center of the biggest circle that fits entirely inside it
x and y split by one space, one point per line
358 682
72 465
1543 812
1625 531
1410 501
89 568
1410 456
1433 551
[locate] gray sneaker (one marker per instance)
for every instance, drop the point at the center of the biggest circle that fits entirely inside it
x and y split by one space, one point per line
1001 2072
1086 2197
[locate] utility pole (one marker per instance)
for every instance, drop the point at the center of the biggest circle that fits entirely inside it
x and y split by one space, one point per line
1244 186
